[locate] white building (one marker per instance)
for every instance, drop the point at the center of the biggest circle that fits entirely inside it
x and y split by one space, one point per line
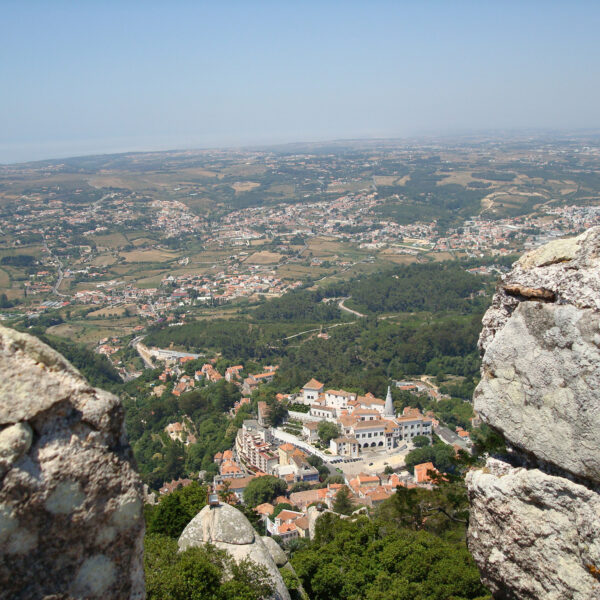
338 399
311 391
345 446
323 413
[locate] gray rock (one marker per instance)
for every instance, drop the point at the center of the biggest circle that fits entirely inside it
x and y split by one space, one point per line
534 529
15 441
564 271
275 550
281 560
541 367
228 529
540 382
71 521
534 535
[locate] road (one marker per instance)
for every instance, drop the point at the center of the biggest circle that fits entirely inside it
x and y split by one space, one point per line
289 337
284 436
352 312
145 355
60 271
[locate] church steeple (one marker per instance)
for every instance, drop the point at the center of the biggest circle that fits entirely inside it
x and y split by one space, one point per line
389 405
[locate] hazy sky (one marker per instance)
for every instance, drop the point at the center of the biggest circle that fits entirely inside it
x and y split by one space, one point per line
91 76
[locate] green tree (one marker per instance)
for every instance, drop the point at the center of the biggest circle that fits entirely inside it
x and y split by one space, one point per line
177 509
327 431
264 489
282 506
421 440
200 573
342 503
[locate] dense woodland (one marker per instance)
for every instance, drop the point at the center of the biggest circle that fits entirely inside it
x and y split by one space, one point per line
159 458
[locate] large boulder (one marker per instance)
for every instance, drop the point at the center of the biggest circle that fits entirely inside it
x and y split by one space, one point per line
71 521
540 385
535 522
534 535
541 364
227 528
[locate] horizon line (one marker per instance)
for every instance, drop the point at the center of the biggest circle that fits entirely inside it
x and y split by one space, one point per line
492 133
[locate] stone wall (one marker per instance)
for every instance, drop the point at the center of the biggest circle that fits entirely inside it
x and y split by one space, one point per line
535 514
71 521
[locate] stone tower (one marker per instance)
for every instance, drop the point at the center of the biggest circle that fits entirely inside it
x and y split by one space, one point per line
389 405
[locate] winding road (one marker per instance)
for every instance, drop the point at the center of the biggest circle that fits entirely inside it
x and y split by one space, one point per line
342 306
60 271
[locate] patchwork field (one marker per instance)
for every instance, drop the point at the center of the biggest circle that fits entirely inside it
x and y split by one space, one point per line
111 240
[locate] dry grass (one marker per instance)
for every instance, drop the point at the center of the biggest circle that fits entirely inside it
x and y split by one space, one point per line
111 240
440 256
348 186
296 271
13 293
460 177
112 311
264 257
148 256
104 260
389 180
4 280
143 241
244 186
399 259
322 246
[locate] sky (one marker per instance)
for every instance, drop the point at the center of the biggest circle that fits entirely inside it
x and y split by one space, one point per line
101 76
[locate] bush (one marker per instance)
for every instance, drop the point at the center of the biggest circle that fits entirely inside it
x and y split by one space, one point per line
176 510
264 489
200 573
420 441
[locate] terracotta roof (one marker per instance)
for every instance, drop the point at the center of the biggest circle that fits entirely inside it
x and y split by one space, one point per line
370 400
302 523
304 498
313 384
325 408
264 509
289 515
421 475
339 393
287 527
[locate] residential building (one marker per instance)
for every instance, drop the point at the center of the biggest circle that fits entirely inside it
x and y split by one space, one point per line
311 391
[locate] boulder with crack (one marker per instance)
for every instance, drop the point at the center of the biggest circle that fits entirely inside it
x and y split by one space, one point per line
535 517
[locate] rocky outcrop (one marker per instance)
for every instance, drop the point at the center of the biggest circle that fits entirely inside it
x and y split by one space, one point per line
535 515
227 528
71 521
534 535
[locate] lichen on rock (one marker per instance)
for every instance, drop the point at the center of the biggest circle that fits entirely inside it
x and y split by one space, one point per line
535 518
71 521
